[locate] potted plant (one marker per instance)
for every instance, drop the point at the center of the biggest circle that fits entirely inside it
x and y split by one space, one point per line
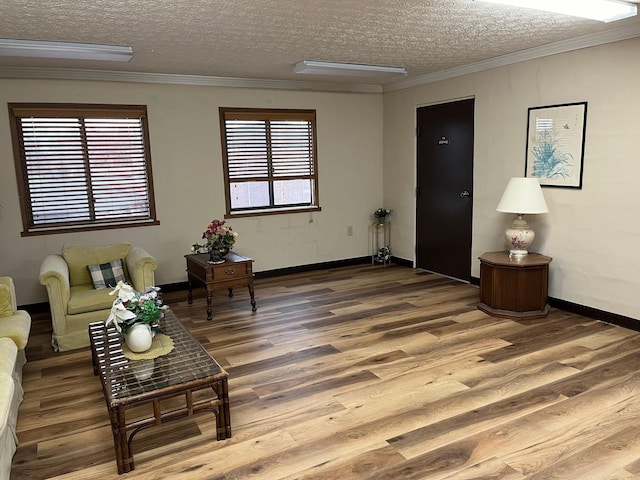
220 238
136 315
381 214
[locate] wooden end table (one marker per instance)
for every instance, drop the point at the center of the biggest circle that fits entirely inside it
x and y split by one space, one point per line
187 376
514 287
236 271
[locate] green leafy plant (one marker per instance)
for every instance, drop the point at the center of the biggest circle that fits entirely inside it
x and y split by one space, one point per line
381 214
131 307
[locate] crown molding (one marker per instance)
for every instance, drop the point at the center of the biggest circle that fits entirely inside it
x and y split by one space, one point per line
31 73
585 41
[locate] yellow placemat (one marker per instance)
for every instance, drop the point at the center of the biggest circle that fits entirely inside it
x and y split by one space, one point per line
160 345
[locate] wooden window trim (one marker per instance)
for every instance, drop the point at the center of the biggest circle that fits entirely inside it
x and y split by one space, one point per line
226 113
92 113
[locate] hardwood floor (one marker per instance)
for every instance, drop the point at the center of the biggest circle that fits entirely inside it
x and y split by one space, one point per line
361 373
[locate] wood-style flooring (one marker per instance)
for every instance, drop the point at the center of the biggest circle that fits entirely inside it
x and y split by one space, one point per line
361 372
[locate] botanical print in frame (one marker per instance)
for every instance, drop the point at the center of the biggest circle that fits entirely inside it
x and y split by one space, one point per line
555 144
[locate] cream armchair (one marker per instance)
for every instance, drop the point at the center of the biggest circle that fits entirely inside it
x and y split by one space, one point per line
74 300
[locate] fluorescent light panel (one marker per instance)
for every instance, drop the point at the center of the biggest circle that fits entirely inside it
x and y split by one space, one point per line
75 51
314 67
603 10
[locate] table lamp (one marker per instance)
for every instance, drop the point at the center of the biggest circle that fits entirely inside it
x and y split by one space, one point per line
522 196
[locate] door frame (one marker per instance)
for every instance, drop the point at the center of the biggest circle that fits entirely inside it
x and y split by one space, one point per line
415 176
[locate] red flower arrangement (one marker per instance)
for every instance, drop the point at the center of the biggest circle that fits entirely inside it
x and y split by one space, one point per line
217 235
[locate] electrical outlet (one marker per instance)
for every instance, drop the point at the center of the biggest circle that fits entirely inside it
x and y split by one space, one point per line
349 230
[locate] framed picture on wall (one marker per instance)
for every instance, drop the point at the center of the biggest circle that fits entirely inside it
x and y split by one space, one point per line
555 144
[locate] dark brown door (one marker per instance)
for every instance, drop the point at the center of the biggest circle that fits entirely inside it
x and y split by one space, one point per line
444 204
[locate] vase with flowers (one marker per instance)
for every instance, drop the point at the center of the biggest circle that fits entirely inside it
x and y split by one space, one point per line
220 238
136 315
381 214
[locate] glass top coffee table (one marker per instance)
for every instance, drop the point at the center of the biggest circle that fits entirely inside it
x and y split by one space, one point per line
188 380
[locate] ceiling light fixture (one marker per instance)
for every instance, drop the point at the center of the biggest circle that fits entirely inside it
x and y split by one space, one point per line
76 51
603 10
314 67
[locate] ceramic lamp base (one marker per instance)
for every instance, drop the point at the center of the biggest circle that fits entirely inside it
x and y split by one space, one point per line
519 237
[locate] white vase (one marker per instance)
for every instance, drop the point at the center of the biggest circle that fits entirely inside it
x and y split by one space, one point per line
139 337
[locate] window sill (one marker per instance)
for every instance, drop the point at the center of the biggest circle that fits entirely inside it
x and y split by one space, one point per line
273 211
86 228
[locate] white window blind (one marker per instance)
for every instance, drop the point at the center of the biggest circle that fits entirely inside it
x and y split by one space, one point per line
83 166
269 158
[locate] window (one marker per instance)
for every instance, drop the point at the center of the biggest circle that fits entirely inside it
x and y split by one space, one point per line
269 160
82 166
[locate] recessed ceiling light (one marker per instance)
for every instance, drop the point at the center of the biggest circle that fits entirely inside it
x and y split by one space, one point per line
603 10
76 51
314 67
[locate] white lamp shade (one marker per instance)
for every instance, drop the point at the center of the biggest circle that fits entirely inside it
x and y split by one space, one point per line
523 195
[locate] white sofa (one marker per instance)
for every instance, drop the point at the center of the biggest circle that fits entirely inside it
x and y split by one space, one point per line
15 326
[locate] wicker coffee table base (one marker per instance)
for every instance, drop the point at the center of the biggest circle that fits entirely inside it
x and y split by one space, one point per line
212 393
122 438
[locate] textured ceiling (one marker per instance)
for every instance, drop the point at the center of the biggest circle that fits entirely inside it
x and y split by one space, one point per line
263 39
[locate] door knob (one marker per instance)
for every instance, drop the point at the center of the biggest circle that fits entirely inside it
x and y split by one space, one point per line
465 194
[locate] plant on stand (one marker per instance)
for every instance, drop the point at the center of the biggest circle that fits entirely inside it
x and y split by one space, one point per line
220 238
379 218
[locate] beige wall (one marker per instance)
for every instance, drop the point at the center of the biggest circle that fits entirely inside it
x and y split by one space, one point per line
187 171
592 234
